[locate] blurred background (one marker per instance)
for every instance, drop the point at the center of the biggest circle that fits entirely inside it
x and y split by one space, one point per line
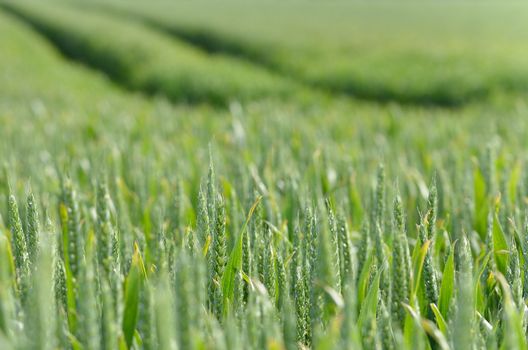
419 53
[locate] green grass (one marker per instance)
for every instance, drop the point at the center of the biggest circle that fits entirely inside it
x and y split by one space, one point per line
133 221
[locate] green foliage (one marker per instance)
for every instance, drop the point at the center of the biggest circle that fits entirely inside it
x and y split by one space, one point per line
133 286
234 264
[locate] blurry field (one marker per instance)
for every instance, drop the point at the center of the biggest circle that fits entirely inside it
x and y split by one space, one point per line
425 53
206 175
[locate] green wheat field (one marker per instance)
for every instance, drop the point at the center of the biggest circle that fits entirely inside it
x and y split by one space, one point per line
273 175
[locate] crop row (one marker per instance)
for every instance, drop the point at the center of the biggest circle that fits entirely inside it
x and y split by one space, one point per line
374 53
144 60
